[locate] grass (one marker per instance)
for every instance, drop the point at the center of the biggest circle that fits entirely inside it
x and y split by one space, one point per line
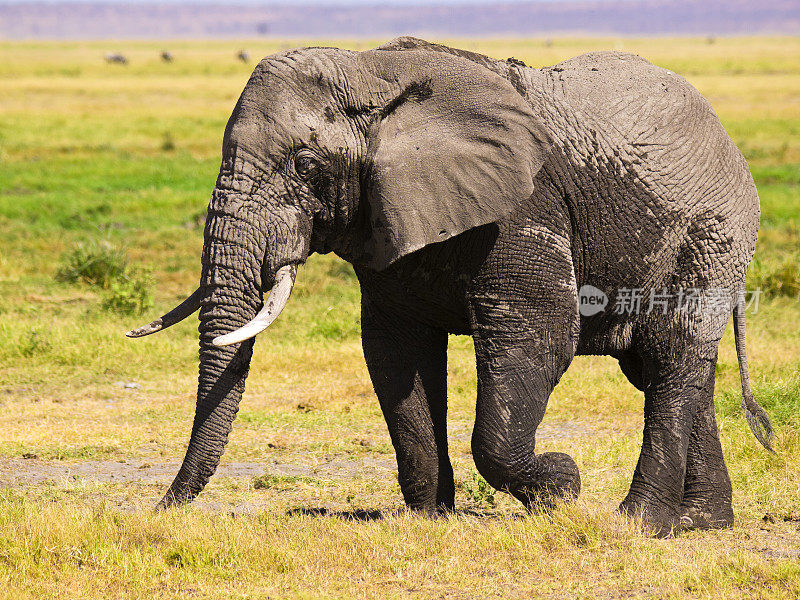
95 263
217 556
96 157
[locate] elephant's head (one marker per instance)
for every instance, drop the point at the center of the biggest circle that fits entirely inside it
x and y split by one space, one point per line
372 155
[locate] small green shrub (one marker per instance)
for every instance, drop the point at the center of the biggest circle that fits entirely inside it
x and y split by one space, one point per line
265 482
32 343
129 295
95 263
104 265
181 557
479 491
269 481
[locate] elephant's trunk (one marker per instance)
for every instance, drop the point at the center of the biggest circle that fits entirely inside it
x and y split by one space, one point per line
252 241
231 280
220 387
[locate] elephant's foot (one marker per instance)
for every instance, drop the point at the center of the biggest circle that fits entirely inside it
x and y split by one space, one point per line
708 516
707 501
444 508
429 498
692 513
432 512
557 480
446 489
657 518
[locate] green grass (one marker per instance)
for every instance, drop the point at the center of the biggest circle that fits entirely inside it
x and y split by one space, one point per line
100 156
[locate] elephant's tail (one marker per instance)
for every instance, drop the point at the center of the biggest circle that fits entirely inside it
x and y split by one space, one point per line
756 416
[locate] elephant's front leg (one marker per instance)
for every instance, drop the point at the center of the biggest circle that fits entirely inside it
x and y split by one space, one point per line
521 354
407 362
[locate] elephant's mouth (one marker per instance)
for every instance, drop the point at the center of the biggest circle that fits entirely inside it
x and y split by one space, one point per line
278 296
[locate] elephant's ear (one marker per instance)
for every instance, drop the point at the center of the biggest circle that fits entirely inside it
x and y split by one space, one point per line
457 148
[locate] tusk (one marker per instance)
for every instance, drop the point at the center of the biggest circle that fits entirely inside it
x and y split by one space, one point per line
278 296
179 313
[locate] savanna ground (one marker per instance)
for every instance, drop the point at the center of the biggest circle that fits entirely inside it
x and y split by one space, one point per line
102 164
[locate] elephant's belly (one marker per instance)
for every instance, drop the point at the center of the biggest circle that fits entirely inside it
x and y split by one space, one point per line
452 316
436 301
431 284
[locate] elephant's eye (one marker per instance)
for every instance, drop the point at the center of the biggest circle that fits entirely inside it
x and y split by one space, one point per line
305 163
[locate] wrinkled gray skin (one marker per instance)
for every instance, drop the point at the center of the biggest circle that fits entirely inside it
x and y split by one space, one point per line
476 197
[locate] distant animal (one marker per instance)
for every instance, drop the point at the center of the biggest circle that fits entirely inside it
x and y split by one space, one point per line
243 56
166 56
481 197
112 57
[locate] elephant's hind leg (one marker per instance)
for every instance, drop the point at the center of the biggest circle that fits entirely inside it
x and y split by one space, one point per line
676 382
707 488
633 368
520 359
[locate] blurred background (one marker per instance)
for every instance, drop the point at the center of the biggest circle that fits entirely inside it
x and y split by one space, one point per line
82 19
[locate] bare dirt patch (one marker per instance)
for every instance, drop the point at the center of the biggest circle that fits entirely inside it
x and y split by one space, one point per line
18 472
26 472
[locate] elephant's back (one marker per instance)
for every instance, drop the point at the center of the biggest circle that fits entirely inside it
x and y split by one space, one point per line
649 123
644 162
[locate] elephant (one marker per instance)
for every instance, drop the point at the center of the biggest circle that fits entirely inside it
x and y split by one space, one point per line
482 197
